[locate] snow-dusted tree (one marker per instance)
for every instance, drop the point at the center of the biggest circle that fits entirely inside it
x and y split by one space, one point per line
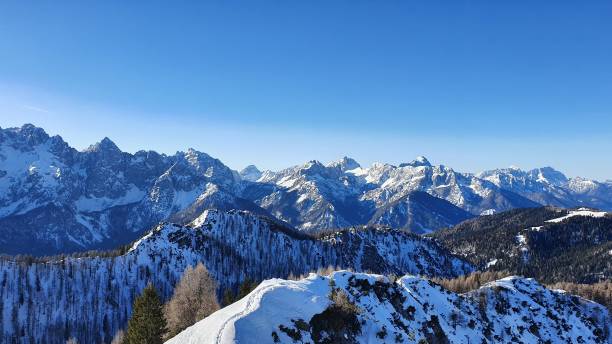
194 299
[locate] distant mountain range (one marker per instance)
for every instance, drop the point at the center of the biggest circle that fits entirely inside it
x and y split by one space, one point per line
55 199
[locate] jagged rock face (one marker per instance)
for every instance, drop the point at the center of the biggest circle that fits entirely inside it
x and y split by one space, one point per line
91 297
408 310
56 199
250 173
313 196
550 187
550 244
420 213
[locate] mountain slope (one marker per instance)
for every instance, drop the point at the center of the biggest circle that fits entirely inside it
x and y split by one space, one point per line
54 198
90 298
548 186
420 213
314 196
550 244
409 310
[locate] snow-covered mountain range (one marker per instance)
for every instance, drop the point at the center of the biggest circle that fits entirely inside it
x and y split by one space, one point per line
55 199
408 310
90 298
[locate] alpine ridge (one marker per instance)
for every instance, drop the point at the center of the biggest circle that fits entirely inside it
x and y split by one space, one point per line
375 309
55 199
90 297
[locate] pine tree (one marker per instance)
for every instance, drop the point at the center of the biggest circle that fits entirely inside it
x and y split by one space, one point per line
246 287
147 324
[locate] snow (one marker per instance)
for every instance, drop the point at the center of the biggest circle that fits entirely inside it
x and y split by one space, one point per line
491 263
359 171
579 212
184 198
273 301
90 204
34 169
231 244
276 302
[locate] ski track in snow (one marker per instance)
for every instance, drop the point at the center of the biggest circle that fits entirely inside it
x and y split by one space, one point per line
249 307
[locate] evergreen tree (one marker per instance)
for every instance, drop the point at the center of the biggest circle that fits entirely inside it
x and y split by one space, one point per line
147 324
246 287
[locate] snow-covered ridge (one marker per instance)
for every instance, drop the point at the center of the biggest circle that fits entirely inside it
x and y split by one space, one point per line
579 212
88 295
55 199
407 310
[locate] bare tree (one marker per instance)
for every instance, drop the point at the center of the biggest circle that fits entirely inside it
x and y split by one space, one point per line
194 299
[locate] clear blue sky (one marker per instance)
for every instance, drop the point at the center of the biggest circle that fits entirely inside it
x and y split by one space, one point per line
470 84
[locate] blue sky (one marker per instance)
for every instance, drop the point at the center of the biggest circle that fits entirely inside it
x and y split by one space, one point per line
469 84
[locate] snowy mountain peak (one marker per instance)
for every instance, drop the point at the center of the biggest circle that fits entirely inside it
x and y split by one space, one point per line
313 166
250 173
106 145
345 164
28 134
419 161
549 175
34 134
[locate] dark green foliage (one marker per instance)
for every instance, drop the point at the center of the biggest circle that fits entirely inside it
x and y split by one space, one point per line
27 259
433 331
338 323
147 324
575 250
335 325
243 290
292 333
382 334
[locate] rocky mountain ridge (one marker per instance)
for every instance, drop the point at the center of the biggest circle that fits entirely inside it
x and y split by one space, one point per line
55 199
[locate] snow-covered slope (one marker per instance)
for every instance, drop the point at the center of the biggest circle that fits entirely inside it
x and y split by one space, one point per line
548 186
579 212
419 212
407 310
314 196
90 298
250 173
